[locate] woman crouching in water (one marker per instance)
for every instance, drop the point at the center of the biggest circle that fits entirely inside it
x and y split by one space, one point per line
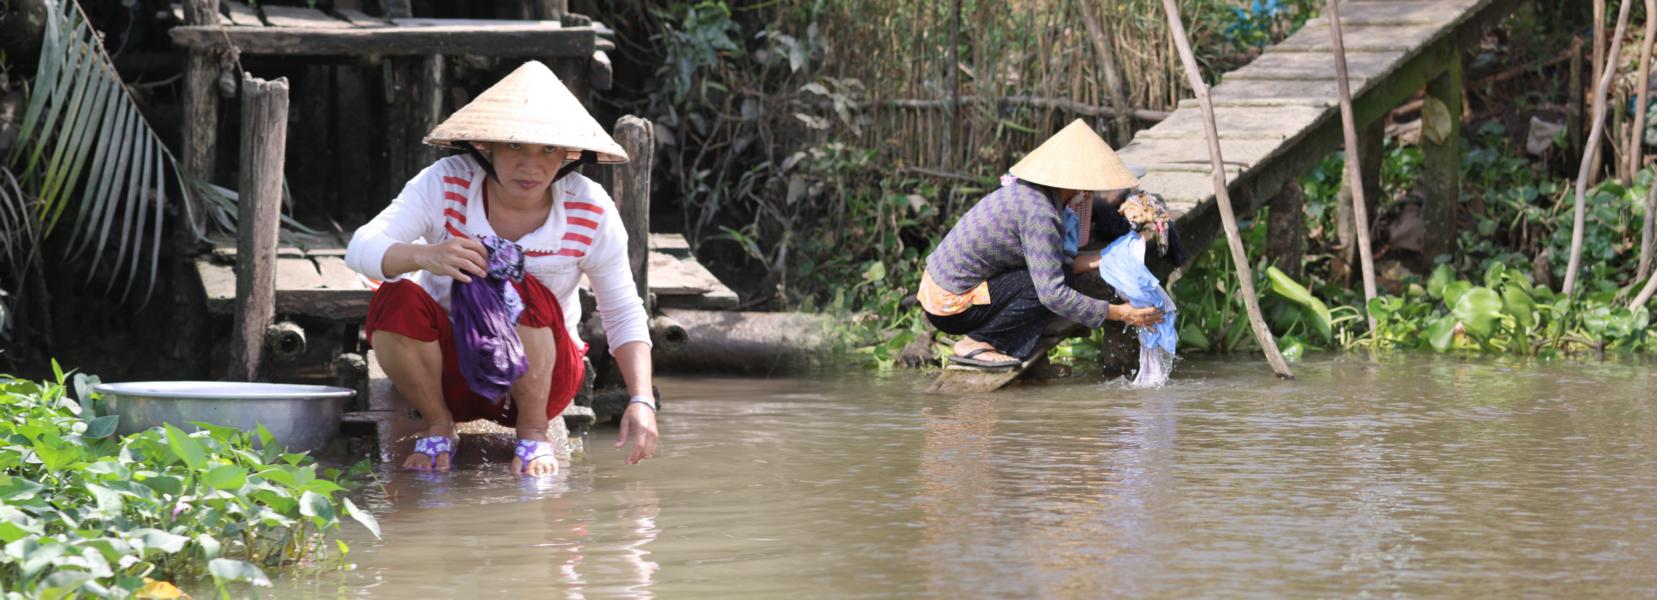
999 276
509 211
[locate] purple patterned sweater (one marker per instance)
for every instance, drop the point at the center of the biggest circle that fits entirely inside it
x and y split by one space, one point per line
1015 227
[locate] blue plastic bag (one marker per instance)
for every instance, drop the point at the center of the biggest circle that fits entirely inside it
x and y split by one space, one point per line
1124 269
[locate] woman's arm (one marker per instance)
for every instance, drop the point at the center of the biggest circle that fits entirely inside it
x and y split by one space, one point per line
454 257
382 248
626 327
639 422
1086 262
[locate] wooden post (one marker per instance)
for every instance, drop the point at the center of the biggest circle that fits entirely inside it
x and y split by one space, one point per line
413 87
264 137
1595 133
1286 229
630 182
1441 165
428 111
1222 196
201 100
1354 156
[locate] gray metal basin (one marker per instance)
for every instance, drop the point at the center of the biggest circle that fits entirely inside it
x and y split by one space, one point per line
302 417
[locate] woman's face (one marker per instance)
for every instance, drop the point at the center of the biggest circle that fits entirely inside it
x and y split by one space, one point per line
524 168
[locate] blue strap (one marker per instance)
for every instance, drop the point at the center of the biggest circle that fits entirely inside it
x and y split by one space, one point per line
1072 233
530 450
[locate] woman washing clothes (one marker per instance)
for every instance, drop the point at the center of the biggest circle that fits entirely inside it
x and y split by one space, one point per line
511 212
999 276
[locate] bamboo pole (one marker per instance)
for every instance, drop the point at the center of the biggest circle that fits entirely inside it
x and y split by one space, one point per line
1598 21
1228 220
1354 166
1596 132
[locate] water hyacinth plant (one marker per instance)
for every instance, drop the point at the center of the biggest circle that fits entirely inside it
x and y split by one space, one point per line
86 513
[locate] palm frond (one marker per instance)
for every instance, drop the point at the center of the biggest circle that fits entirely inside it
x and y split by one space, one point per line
82 132
19 227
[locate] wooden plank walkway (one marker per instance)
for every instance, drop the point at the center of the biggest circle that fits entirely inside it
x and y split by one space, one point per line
1279 115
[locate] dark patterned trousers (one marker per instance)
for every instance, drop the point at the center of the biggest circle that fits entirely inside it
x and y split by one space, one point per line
1012 322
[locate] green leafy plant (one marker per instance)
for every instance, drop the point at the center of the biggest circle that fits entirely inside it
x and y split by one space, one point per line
86 513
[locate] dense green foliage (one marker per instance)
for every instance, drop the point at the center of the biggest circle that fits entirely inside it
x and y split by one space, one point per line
792 161
86 513
1485 298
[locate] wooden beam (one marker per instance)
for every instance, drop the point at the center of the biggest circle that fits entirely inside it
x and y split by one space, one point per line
508 40
264 138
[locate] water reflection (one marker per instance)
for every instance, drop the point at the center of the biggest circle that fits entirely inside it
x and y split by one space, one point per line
1414 476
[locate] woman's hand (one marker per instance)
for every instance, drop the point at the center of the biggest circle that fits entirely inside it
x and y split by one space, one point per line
1137 317
639 422
460 258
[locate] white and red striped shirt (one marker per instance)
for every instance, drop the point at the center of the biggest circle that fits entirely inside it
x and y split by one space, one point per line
582 236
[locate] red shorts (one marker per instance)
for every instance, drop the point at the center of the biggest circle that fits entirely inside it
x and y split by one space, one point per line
404 308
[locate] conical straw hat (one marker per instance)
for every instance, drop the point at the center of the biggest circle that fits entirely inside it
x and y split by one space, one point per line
1075 159
530 106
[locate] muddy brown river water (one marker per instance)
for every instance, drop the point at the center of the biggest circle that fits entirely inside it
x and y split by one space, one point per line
1416 476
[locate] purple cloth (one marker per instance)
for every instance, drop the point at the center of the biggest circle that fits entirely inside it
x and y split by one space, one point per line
485 312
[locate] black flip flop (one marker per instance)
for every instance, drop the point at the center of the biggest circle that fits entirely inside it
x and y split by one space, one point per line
970 361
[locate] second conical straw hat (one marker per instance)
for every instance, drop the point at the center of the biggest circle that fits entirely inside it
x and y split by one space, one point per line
529 106
1075 158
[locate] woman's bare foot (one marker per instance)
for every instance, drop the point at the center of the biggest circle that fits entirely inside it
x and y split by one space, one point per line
419 461
968 345
539 466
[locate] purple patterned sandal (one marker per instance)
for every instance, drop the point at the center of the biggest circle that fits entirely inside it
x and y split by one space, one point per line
529 451
434 446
